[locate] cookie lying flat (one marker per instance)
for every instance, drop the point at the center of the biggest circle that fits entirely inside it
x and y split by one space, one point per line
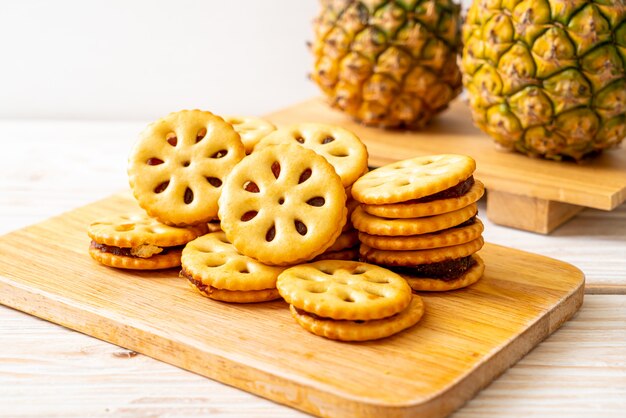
344 290
251 129
136 241
412 258
282 205
349 300
374 225
341 148
432 205
465 232
214 261
412 179
177 167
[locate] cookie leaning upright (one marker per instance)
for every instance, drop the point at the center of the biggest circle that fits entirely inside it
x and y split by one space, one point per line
418 218
136 241
178 165
340 147
282 205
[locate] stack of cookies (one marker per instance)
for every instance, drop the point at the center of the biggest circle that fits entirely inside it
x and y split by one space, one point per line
348 156
348 300
418 218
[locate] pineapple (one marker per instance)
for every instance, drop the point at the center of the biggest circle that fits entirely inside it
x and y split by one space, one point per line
546 77
388 63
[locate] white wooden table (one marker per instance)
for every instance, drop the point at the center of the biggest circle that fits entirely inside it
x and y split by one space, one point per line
46 370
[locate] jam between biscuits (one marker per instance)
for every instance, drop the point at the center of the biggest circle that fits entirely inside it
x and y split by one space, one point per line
445 270
127 252
453 192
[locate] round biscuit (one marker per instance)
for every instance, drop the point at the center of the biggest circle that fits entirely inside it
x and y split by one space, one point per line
411 258
412 179
444 238
341 148
251 129
282 205
435 207
214 261
468 278
133 229
344 290
344 330
156 262
374 225
178 165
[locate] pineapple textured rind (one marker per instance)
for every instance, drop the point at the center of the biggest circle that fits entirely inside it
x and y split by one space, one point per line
388 63
547 77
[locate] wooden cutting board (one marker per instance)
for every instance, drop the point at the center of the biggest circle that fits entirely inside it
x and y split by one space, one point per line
465 340
525 193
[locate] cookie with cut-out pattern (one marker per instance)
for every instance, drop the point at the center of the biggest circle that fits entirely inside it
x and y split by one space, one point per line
412 179
341 148
251 129
136 241
178 166
213 261
282 205
344 290
346 330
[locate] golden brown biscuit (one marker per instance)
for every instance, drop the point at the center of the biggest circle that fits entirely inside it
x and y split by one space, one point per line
342 148
251 129
282 205
374 225
412 258
345 330
213 261
344 290
412 179
345 240
177 167
417 210
444 238
136 241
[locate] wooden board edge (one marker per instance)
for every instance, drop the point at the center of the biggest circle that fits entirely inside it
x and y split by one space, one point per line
272 386
472 383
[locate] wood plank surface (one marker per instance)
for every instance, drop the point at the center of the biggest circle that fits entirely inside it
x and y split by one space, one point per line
600 183
465 340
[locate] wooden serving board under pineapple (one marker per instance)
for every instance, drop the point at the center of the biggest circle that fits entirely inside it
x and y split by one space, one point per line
543 79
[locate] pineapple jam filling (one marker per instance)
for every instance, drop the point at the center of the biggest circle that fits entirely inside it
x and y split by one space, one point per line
453 192
312 315
444 270
140 251
197 283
